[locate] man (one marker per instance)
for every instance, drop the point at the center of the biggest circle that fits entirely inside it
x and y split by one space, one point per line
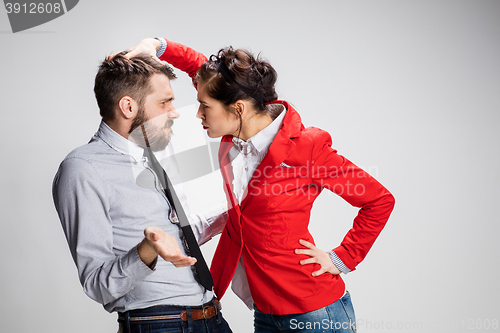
108 195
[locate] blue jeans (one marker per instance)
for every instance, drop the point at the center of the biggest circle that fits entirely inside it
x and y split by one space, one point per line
216 324
336 317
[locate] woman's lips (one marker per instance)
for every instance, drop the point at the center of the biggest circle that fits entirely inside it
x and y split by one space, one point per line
204 127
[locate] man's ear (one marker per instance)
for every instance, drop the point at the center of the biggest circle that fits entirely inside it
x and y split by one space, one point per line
128 107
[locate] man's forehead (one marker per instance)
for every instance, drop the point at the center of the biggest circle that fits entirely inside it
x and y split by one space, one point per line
161 84
160 79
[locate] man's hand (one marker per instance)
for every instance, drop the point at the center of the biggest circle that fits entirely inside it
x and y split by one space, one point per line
317 257
147 46
158 243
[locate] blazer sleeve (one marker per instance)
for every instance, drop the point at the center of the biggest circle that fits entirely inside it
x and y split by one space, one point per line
184 58
339 175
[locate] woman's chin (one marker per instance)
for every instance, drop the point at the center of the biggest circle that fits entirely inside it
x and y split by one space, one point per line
212 135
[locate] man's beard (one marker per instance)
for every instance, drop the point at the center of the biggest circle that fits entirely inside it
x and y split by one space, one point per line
155 135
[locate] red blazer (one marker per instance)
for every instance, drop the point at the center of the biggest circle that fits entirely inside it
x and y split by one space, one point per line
274 215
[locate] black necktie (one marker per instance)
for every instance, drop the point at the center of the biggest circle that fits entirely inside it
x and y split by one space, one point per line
201 266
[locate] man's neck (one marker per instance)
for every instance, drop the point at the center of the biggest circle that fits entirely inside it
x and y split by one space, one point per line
119 128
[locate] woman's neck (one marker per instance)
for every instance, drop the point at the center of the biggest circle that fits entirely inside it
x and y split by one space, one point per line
254 124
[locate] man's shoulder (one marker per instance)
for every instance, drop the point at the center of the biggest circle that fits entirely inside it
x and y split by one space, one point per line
85 161
94 150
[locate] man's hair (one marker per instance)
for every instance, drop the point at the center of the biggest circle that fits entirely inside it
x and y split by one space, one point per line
118 77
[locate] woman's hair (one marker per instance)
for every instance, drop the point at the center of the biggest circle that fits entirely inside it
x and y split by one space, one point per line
234 75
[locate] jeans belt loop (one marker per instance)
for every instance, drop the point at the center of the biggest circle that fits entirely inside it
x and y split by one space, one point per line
217 304
127 321
189 319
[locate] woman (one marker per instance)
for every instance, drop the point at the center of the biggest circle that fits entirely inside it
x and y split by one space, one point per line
273 169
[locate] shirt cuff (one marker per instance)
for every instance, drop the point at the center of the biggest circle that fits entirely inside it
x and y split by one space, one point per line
215 213
162 48
134 267
337 262
209 223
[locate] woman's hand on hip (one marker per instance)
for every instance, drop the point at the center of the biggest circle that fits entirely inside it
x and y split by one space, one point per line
317 257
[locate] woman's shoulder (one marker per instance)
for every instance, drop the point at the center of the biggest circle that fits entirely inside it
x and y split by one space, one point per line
315 135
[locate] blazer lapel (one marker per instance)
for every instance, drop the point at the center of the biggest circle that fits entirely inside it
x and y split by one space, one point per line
227 172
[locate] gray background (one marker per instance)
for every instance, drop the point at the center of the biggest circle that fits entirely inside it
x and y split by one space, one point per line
409 90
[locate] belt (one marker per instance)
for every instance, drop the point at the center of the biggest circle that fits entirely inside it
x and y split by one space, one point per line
206 312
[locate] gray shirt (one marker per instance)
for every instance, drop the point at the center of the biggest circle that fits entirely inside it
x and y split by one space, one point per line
106 194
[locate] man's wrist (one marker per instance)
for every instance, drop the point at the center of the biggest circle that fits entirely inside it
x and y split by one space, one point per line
147 253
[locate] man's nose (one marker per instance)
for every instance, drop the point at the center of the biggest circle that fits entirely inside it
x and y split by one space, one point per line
173 114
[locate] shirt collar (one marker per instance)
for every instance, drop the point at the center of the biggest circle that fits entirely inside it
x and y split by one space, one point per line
264 138
119 143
